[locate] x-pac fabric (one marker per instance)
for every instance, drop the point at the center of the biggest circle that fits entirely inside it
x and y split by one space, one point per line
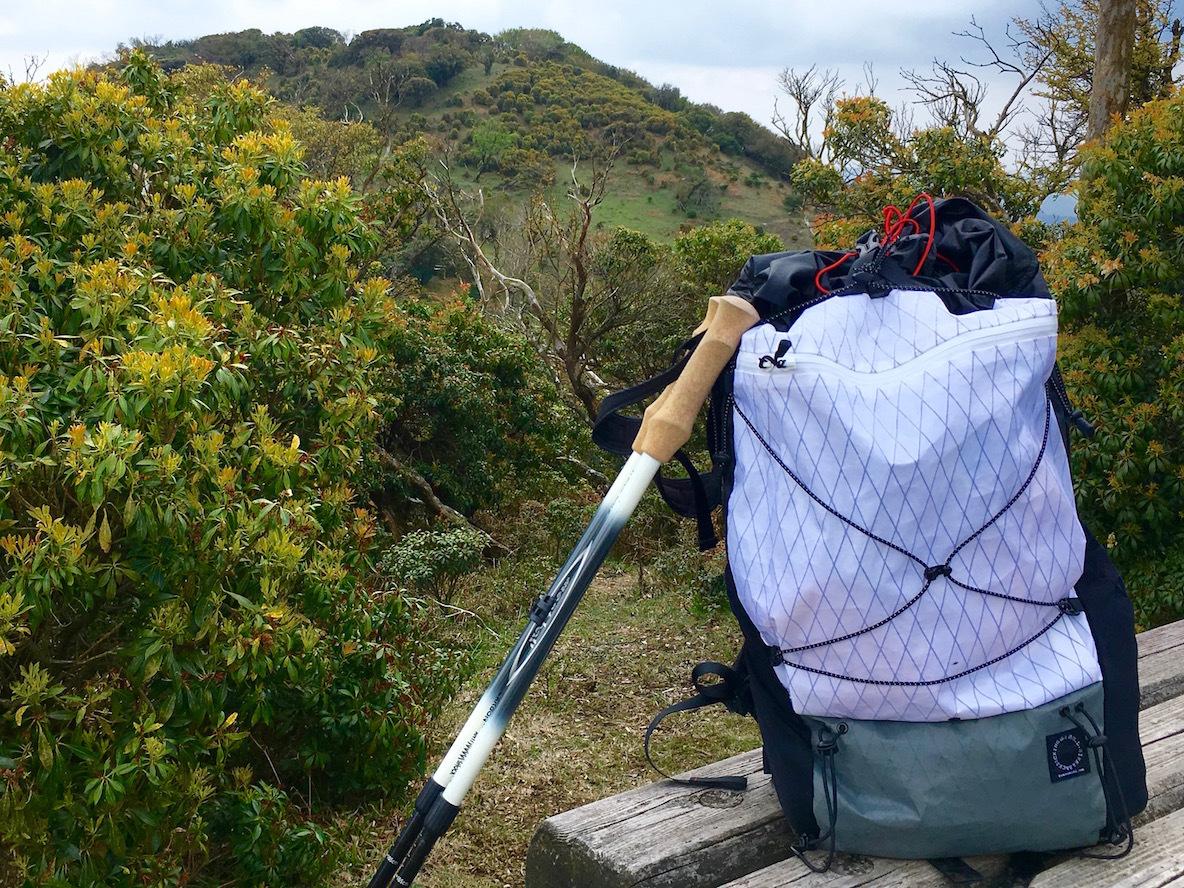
919 426
905 557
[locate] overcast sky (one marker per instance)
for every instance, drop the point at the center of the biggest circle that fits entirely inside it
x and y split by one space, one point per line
726 53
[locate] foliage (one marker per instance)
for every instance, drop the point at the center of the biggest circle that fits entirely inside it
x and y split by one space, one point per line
488 143
603 306
317 65
698 196
642 312
1119 274
193 642
694 576
712 255
1006 151
1067 33
470 405
573 105
332 148
527 169
738 134
509 105
435 561
870 163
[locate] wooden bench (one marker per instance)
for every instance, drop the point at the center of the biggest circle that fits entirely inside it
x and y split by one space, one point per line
668 836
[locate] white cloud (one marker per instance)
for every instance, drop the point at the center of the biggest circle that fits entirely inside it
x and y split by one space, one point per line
724 54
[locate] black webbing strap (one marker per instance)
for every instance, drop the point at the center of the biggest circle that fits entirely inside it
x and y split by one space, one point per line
692 497
956 870
614 432
729 691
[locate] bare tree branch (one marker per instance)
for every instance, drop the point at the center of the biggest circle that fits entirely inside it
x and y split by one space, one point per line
430 498
812 94
32 65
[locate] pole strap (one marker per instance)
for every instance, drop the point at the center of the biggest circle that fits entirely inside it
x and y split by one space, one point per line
731 691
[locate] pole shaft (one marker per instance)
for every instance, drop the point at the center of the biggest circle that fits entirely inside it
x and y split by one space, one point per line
441 798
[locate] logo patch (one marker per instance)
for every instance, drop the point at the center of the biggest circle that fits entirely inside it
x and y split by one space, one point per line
1068 755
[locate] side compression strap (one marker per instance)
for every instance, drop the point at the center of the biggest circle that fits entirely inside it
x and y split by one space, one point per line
729 691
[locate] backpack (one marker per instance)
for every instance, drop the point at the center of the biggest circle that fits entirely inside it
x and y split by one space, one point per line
940 656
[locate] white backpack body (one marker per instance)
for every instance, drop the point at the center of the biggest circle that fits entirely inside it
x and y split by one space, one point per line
888 437
940 656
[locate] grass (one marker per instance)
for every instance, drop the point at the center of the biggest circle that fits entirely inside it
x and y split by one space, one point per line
634 201
577 736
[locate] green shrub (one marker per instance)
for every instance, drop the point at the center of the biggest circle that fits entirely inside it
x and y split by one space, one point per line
471 406
192 638
712 255
435 561
1119 274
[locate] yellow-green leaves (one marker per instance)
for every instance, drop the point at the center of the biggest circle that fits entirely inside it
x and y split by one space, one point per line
1119 275
187 367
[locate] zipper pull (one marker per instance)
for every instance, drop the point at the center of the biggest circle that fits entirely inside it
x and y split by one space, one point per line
777 359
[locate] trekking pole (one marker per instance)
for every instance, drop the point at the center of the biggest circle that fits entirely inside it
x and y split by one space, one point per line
666 426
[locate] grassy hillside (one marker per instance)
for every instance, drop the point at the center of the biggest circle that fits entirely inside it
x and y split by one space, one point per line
513 110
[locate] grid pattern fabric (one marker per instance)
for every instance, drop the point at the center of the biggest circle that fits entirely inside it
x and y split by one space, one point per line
919 426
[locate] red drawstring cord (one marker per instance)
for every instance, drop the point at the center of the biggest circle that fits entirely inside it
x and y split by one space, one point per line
895 221
948 261
894 224
832 266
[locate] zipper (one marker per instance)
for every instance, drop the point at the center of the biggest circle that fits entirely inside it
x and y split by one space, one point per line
1014 331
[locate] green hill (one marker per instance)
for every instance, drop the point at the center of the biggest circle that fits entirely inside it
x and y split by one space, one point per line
515 109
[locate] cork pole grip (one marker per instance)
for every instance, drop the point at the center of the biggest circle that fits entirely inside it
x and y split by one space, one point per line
648 416
667 422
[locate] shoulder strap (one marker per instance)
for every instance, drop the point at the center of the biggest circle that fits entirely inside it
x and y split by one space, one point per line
732 691
692 497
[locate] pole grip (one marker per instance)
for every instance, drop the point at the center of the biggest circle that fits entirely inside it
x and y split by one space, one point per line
667 423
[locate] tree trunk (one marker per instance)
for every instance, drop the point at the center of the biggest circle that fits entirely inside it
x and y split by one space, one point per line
1112 64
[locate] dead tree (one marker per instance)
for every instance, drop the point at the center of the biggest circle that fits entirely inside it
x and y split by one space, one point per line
554 277
1112 64
811 94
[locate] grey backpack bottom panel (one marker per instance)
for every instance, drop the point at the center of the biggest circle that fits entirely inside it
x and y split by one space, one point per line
959 788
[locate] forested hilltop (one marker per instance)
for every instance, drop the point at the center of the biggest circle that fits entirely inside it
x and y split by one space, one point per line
515 109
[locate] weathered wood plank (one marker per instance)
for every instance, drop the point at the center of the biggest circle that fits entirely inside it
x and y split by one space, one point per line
1157 859
852 871
615 841
665 835
1161 663
1163 750
1155 641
